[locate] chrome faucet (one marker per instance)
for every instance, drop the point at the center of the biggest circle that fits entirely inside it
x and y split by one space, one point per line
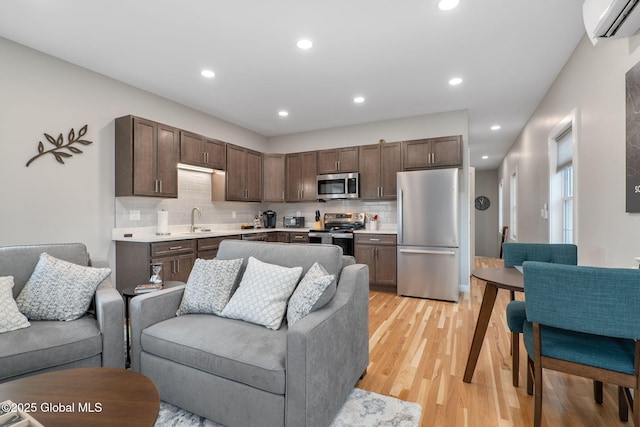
193 213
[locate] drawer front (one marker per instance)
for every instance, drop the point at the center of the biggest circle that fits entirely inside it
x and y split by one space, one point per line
375 239
212 243
176 247
298 237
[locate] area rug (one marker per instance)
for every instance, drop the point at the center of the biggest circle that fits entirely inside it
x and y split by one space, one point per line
362 409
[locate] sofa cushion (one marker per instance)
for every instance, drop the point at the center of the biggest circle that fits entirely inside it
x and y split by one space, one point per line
308 293
19 261
263 293
209 286
233 349
46 344
59 290
10 317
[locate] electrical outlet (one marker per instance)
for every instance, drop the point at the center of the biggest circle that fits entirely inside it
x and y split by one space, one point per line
134 215
233 214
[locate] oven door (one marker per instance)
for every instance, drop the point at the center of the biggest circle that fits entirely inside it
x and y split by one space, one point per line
345 241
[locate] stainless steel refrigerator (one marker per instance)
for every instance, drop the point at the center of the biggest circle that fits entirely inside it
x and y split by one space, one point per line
428 234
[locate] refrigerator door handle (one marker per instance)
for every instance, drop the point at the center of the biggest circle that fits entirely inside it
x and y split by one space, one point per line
400 219
427 252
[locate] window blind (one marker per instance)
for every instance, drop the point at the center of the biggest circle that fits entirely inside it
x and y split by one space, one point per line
564 147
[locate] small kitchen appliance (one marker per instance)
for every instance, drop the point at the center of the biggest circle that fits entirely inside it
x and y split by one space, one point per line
270 219
293 221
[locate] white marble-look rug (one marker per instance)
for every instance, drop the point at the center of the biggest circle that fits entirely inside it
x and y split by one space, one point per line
362 409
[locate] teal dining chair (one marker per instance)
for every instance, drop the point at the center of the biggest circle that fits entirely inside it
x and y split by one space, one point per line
584 321
514 255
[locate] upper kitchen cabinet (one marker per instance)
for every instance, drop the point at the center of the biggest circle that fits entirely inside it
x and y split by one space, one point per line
274 187
244 174
338 160
379 164
200 151
146 160
432 153
301 172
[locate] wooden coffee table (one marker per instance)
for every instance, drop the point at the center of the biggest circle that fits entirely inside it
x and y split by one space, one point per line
86 397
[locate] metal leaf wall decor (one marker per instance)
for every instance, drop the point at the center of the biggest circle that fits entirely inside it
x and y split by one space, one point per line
59 147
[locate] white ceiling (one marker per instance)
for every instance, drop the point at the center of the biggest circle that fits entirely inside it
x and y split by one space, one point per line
399 54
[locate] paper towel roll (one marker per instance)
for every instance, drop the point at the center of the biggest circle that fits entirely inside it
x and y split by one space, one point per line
163 222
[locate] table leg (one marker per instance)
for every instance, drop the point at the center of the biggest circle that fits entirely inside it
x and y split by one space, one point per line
488 301
126 327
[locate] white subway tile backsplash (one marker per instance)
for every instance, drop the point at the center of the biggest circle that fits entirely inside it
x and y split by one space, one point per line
194 190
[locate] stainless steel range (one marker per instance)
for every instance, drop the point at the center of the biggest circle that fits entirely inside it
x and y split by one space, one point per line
338 230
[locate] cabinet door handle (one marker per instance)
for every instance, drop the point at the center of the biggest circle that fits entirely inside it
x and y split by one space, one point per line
283 195
381 191
175 248
155 185
160 186
298 237
374 240
178 266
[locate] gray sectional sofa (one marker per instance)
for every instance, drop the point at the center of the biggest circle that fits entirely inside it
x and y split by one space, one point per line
94 340
242 374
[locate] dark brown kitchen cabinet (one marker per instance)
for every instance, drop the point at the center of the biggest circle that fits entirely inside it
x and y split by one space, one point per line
198 150
278 236
379 164
432 153
208 246
146 158
338 160
301 173
378 251
298 237
134 259
244 174
274 178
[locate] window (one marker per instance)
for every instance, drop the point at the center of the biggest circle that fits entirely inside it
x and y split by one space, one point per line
562 191
567 204
513 203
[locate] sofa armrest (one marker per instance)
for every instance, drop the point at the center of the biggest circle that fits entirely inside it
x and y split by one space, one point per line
149 309
328 351
110 318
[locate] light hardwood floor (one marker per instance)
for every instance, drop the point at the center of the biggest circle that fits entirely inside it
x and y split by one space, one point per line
418 352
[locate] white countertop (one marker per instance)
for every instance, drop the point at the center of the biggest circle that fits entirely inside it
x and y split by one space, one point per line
147 234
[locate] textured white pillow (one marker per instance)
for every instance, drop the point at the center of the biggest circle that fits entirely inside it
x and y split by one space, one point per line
59 290
308 292
209 286
262 295
10 317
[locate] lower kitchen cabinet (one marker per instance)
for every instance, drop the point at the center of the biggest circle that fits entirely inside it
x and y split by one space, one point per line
378 251
208 246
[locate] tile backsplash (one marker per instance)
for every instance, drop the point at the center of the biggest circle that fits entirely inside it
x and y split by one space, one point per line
194 190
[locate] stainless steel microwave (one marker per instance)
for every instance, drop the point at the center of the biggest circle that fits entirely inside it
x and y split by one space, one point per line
339 186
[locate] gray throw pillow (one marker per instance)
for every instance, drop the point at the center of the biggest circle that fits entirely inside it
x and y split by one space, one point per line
59 290
308 292
263 293
209 286
10 317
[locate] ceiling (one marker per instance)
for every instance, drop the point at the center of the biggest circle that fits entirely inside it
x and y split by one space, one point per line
399 55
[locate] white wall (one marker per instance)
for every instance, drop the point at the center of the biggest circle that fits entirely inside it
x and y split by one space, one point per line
49 202
593 83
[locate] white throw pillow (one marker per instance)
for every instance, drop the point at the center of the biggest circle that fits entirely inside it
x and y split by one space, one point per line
308 292
209 286
10 317
262 295
59 290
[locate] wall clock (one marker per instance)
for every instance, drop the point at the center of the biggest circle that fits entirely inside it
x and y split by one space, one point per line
482 203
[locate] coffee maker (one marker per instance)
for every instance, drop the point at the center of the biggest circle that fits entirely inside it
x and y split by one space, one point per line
270 219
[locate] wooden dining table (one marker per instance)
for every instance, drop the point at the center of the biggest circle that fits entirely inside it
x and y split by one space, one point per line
508 278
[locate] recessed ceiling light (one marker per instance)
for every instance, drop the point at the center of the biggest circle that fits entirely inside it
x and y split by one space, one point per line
283 113
358 99
495 127
485 157
448 4
304 44
208 74
455 81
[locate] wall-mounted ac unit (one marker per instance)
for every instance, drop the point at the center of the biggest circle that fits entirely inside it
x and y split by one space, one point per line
611 19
